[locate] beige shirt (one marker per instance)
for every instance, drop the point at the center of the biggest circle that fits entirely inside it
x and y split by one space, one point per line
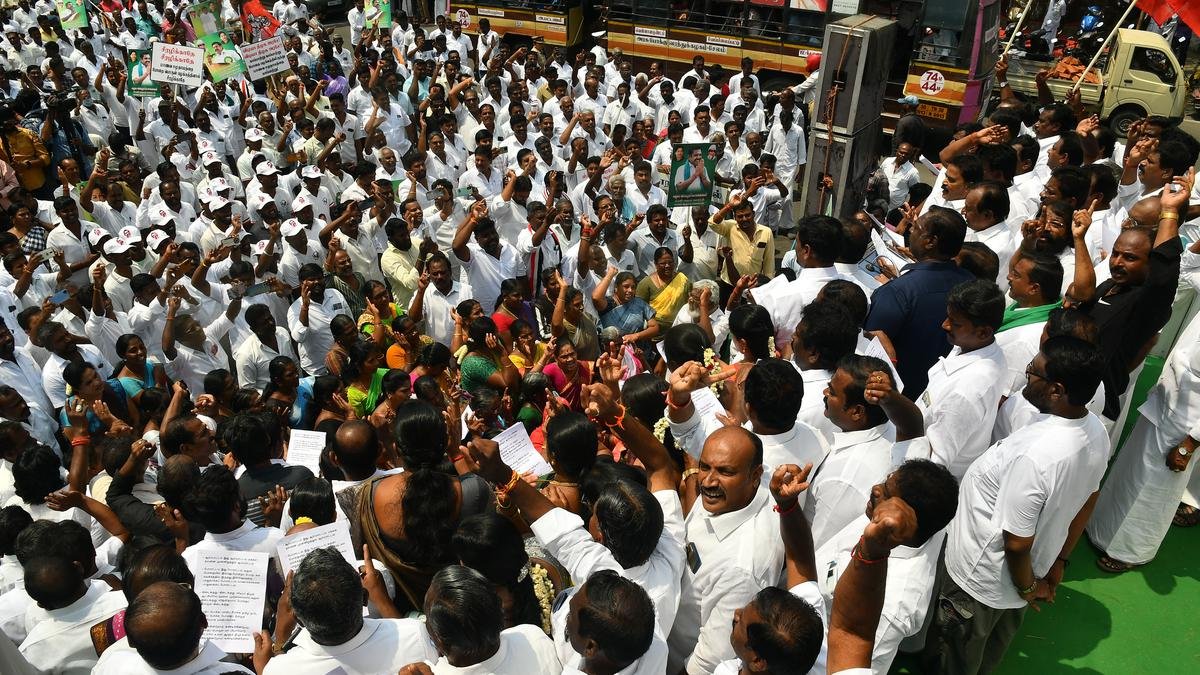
750 256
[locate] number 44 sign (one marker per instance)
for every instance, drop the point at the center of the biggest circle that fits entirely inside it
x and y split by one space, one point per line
932 82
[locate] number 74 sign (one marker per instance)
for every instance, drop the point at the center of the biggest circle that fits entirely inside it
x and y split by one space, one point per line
932 82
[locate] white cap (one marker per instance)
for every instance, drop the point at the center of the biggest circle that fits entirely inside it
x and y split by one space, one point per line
301 201
156 238
310 171
290 227
217 202
130 234
260 200
266 169
210 157
260 247
161 216
255 134
96 234
203 145
217 184
116 245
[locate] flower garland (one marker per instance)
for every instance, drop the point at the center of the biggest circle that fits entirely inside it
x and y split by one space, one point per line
714 367
771 347
661 427
543 589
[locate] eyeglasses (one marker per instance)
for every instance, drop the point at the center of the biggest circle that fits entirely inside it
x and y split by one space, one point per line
1029 373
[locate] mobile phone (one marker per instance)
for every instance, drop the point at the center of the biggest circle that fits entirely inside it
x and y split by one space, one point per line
60 297
462 192
229 242
257 289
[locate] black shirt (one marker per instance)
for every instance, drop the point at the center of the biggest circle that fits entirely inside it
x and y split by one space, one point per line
1127 318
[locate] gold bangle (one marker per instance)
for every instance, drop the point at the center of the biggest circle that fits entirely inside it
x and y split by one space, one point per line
689 473
1168 215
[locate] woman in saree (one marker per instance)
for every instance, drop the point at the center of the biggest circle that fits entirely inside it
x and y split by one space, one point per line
363 376
665 290
487 363
407 520
568 374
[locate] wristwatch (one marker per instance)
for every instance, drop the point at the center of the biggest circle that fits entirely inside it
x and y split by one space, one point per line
1183 452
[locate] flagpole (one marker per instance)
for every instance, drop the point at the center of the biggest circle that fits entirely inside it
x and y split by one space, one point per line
1103 46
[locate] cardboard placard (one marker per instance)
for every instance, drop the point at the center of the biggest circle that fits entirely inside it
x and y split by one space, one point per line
178 64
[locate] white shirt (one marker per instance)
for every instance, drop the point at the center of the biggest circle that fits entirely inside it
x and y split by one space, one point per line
812 401
382 645
900 179
315 340
1031 484
786 300
840 487
193 365
1020 345
253 358
564 536
122 659
247 537
485 273
906 599
960 406
737 554
523 649
61 642
437 308
999 238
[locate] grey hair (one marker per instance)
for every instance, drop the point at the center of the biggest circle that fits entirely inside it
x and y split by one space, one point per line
463 614
327 597
709 284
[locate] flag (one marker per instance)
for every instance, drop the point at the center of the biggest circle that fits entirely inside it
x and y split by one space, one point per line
257 23
1161 11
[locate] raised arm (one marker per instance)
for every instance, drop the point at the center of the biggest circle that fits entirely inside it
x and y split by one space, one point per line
788 481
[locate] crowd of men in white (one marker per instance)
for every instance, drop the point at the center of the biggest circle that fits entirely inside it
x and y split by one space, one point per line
770 452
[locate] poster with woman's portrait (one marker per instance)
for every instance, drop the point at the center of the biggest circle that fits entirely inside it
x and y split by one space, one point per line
693 167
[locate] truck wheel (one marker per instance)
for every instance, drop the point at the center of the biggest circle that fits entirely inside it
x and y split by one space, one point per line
1120 120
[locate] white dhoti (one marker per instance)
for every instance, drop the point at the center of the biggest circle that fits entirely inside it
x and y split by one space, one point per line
1139 498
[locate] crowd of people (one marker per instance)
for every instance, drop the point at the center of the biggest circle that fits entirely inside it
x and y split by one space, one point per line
768 450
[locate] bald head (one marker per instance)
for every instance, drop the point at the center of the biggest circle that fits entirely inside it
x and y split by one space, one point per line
730 469
54 581
356 449
164 623
1145 212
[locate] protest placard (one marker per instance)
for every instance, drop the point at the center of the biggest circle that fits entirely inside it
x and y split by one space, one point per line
264 59
178 64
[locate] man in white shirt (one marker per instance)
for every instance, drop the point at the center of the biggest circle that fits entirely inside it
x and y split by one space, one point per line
986 213
1021 509
861 402
436 297
54 337
165 622
310 316
267 342
786 631
900 173
826 334
227 529
69 604
733 550
960 403
818 242
656 233
464 620
335 635
488 260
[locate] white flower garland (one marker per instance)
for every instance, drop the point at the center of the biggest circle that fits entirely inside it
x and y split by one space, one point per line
710 362
771 353
543 589
661 427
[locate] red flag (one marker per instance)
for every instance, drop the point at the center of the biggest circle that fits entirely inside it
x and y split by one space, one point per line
1161 11
257 22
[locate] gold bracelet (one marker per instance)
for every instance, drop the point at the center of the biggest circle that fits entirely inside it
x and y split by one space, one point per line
689 473
1168 215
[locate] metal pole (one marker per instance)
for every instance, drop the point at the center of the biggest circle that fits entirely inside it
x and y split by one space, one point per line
1103 46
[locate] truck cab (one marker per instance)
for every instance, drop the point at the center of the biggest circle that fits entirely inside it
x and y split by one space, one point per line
1143 78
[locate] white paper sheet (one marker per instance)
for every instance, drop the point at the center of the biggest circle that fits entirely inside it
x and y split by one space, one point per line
305 448
518 452
707 402
875 348
293 548
232 586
